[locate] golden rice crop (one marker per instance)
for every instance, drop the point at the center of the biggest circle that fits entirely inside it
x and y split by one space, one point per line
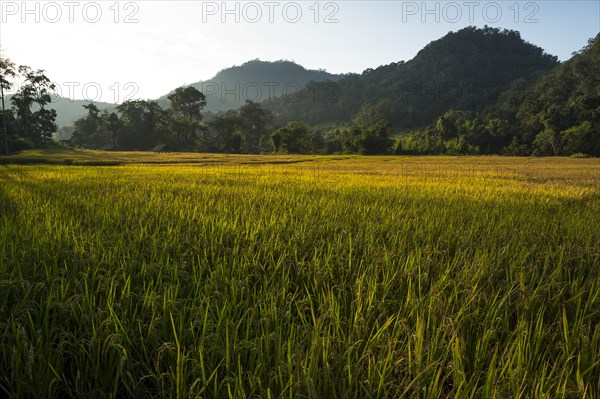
300 276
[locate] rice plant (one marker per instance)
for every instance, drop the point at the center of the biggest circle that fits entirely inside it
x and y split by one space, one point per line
299 277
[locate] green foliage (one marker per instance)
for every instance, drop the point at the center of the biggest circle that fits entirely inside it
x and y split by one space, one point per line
185 130
187 103
582 138
374 139
524 103
294 138
331 139
144 124
244 130
370 115
96 129
474 91
33 121
547 143
7 71
368 134
227 132
515 148
558 114
255 122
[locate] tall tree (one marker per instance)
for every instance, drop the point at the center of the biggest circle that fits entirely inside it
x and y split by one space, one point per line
7 71
294 138
93 130
227 131
38 125
256 122
144 124
188 102
186 112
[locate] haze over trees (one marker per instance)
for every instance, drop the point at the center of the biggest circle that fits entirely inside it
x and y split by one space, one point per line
256 81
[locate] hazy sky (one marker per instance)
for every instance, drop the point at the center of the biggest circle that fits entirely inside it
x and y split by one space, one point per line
146 48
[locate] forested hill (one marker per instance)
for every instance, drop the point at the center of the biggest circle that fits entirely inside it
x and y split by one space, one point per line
257 81
559 113
465 70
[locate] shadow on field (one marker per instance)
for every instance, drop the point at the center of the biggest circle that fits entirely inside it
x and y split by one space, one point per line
45 161
8 207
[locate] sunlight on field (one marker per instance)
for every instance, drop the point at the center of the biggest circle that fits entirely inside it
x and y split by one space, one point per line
195 275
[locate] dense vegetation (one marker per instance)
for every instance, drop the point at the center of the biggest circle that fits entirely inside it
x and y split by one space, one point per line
184 274
143 124
474 91
270 276
558 114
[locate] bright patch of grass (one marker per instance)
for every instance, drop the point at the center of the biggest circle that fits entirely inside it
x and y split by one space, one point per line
250 276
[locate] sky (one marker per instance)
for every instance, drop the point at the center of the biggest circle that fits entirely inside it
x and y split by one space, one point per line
118 50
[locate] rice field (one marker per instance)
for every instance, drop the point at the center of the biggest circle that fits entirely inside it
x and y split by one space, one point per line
239 276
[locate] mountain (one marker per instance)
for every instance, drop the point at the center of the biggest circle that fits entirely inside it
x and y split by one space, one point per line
257 81
555 113
467 69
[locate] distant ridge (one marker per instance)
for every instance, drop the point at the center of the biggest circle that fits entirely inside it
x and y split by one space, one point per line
255 80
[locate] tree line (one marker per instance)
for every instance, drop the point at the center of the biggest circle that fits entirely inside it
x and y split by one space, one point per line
141 125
